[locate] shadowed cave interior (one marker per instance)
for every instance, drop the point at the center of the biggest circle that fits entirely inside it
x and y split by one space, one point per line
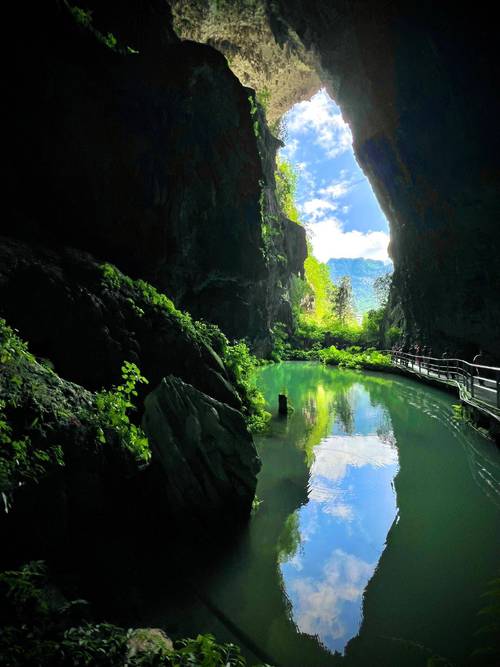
142 209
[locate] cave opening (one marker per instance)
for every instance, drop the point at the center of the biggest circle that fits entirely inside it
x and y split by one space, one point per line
153 266
346 228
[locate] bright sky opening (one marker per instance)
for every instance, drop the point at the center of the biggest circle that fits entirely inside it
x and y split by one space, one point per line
334 197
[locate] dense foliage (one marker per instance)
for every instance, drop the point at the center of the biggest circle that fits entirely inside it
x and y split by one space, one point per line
236 355
240 363
364 274
323 312
38 410
354 357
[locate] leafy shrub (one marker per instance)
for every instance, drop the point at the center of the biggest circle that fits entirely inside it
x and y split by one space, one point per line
205 651
281 346
21 460
371 359
111 414
23 592
35 404
264 98
242 363
286 178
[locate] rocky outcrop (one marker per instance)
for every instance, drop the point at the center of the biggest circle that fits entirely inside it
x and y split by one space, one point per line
66 474
262 50
284 240
76 472
143 154
87 322
206 456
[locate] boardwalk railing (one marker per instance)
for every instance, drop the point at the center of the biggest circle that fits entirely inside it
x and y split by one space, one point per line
477 384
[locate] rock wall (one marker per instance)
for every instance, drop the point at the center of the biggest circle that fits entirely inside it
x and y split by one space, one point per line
418 85
205 456
144 154
262 50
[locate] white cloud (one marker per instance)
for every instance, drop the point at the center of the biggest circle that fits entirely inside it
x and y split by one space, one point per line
337 452
333 456
319 602
315 208
329 240
318 114
337 189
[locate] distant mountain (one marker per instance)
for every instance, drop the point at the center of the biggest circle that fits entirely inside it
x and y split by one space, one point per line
363 273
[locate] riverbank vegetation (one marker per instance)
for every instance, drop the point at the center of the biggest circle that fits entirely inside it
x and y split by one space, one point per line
325 326
236 357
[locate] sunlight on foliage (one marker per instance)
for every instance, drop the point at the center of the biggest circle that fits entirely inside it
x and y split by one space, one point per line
35 402
112 414
84 18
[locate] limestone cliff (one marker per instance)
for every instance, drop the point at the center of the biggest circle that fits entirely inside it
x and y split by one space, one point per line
142 150
262 50
418 85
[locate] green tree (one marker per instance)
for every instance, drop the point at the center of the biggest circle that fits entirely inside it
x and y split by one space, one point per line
382 288
344 308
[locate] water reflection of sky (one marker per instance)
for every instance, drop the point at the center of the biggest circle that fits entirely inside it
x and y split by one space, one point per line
344 525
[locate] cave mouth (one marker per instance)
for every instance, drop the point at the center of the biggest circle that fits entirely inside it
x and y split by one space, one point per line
346 228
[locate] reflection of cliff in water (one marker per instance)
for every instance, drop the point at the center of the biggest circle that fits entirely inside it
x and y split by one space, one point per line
324 424
418 592
428 577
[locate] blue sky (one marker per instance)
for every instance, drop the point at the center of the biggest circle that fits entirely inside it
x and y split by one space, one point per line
335 199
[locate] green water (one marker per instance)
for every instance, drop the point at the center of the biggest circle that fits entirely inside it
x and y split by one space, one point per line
377 532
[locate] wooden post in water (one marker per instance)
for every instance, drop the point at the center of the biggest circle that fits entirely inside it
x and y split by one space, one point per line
282 405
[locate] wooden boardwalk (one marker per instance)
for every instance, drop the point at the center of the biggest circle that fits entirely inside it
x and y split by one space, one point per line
477 385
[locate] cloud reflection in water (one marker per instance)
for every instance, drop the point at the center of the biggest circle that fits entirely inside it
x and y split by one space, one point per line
342 528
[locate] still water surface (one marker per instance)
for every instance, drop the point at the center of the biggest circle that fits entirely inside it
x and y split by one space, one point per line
377 533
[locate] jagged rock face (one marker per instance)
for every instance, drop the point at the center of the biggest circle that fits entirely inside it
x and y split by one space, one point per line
262 51
419 87
207 457
148 160
418 84
201 476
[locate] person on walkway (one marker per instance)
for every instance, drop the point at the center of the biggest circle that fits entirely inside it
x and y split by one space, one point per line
444 357
478 359
425 354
